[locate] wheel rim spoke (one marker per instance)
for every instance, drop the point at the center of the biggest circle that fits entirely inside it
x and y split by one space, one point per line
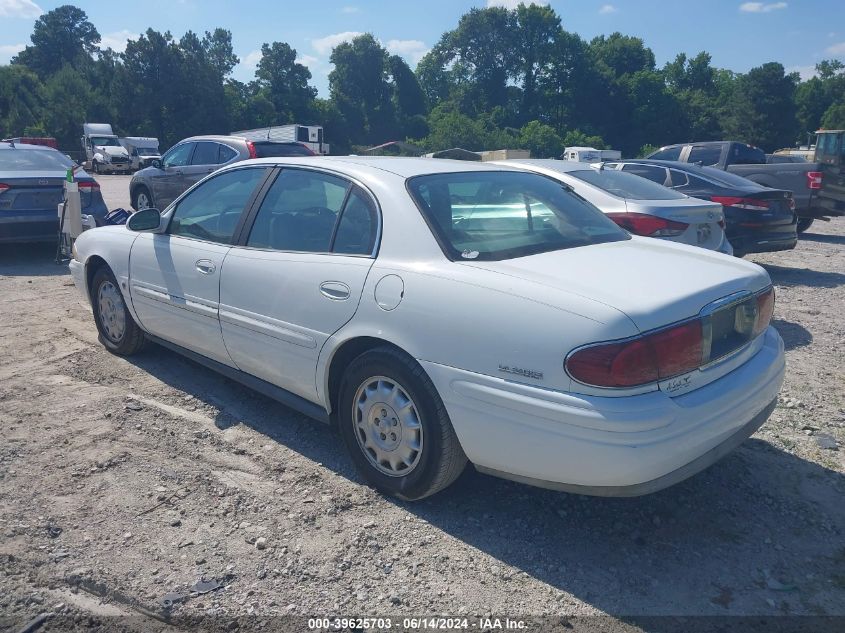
111 311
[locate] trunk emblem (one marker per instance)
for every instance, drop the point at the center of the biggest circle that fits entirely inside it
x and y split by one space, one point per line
703 233
43 181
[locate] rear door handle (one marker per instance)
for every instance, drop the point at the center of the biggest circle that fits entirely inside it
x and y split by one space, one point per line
206 266
335 290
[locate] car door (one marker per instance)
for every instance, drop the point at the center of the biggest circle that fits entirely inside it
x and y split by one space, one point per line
174 277
204 161
297 276
165 183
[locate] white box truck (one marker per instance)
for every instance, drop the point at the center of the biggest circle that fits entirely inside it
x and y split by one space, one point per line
143 150
103 151
309 135
590 154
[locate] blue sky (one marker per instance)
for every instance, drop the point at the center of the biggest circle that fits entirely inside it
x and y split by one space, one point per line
739 35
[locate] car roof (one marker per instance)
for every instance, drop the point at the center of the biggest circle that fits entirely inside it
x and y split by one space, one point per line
406 167
562 166
26 146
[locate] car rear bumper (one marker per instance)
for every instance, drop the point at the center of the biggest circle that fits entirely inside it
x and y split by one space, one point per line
29 227
623 446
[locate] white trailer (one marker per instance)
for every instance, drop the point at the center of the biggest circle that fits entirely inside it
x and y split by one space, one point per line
309 135
103 151
590 154
143 150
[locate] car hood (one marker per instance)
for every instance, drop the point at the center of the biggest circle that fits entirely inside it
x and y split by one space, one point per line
112 151
653 282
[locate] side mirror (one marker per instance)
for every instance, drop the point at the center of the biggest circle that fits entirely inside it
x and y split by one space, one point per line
155 162
144 220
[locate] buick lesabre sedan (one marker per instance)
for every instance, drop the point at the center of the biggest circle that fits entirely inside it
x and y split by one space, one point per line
439 312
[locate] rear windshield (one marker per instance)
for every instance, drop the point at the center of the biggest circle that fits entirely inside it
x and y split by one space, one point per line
727 178
33 160
267 150
624 185
501 215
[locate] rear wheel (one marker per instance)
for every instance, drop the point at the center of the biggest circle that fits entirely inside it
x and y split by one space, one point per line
396 427
804 224
143 199
118 331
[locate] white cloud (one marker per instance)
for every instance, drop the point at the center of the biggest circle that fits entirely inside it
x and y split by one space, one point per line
836 49
19 9
350 10
607 8
512 4
7 51
117 40
324 45
411 49
308 60
250 60
761 7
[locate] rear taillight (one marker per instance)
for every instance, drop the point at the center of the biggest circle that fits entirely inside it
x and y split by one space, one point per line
250 146
665 353
648 225
88 187
751 204
814 179
4 187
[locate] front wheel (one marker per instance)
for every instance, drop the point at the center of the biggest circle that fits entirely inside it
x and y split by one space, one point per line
118 331
804 224
396 427
143 199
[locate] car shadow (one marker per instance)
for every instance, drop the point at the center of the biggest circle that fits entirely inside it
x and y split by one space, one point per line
793 334
786 276
822 238
30 260
748 529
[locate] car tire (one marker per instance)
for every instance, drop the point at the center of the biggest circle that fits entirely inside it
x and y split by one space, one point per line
395 426
118 331
141 193
804 224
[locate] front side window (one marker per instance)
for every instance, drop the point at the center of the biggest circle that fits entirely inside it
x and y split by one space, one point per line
178 156
670 153
623 185
299 212
211 210
705 154
502 215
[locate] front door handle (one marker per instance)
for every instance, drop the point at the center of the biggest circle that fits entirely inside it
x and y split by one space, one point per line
205 266
335 290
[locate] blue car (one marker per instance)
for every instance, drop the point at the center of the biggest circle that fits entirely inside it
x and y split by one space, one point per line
31 188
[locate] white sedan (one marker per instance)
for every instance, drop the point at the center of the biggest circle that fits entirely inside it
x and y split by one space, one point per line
438 311
638 205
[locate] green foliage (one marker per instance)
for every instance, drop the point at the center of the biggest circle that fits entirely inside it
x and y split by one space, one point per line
834 117
61 36
577 138
646 150
283 81
541 139
21 100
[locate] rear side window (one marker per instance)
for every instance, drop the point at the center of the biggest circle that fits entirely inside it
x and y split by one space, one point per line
670 153
356 231
651 172
225 154
212 209
679 178
742 154
299 212
622 185
501 215
33 160
705 154
267 150
205 154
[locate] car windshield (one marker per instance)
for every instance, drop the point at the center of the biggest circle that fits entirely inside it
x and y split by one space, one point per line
502 215
33 160
105 141
147 151
622 185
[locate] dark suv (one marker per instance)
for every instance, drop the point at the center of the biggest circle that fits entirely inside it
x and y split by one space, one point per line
192 159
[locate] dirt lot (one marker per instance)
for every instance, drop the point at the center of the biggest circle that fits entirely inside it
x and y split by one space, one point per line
137 478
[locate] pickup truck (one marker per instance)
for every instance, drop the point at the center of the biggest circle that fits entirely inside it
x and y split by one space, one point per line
830 152
804 180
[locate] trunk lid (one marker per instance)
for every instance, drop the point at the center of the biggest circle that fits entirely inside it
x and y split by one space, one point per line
653 282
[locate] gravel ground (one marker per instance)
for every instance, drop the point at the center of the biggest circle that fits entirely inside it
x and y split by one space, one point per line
135 478
115 190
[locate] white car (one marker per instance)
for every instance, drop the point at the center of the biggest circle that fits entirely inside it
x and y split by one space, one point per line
437 311
642 208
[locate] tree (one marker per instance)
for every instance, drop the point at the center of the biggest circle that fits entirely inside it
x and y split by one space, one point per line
218 49
361 91
622 54
68 96
834 117
21 100
541 139
577 138
284 82
61 36
536 32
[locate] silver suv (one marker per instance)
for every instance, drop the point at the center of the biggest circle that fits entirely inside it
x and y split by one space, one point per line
192 159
